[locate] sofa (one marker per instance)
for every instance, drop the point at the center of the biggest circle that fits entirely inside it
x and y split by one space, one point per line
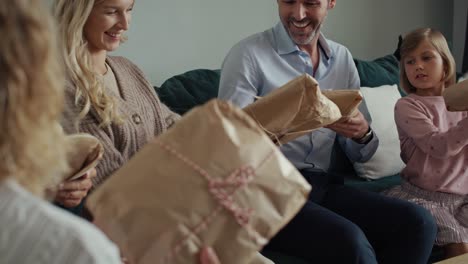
185 91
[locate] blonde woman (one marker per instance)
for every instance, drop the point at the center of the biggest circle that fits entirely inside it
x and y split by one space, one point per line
31 150
108 97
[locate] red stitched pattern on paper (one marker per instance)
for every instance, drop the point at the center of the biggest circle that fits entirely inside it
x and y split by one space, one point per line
219 189
222 190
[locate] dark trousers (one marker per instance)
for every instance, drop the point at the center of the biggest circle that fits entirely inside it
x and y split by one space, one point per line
344 225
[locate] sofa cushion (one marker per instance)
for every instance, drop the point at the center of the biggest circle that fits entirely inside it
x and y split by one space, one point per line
386 161
185 91
381 71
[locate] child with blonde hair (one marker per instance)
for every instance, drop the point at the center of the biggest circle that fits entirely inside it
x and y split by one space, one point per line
32 155
433 141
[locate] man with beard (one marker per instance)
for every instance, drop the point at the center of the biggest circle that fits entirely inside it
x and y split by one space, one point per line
338 224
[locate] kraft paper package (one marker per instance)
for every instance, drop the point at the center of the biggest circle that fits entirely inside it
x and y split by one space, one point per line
347 101
299 107
84 151
213 179
456 96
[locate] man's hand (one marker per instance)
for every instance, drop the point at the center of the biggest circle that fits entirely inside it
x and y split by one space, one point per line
71 193
208 256
352 127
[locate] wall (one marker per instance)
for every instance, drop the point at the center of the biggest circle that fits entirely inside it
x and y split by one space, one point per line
174 36
370 28
459 28
170 37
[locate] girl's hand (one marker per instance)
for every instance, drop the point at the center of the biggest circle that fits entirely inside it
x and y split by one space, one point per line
71 193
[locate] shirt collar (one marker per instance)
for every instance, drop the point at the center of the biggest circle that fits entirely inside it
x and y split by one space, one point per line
285 45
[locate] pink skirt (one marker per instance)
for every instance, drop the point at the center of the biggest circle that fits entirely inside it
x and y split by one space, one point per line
449 210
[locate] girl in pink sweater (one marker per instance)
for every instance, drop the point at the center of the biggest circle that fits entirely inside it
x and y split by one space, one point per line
433 141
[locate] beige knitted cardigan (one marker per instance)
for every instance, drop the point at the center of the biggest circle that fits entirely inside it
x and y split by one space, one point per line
145 117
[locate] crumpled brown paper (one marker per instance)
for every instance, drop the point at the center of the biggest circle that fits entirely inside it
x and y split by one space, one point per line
456 96
347 101
213 179
299 107
84 151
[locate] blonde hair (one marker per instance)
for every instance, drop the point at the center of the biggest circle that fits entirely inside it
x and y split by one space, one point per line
437 39
90 94
31 97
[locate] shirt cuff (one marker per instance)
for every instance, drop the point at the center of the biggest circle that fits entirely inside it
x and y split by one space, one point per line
366 151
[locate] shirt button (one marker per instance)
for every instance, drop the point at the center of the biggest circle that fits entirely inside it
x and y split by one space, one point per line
136 119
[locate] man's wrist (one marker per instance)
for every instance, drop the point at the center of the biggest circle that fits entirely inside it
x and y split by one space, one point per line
366 138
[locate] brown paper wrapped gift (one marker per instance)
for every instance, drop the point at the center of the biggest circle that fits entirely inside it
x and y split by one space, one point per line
83 153
213 179
456 96
346 100
299 107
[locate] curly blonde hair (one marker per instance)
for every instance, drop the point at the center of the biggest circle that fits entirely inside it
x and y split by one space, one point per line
31 97
90 94
411 42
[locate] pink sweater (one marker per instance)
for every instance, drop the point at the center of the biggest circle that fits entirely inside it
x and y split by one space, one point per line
434 144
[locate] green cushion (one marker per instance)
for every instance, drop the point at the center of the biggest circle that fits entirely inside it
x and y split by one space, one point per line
185 91
381 71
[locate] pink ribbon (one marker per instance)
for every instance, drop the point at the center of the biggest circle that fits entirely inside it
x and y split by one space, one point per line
222 190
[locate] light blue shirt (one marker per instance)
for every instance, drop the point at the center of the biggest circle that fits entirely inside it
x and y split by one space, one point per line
265 61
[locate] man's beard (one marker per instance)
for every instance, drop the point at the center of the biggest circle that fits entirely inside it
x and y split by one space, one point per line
309 39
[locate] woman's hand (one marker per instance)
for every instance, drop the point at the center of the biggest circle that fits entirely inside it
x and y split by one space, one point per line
208 256
71 193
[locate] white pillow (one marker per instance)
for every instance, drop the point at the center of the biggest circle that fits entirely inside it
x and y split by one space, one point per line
386 161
